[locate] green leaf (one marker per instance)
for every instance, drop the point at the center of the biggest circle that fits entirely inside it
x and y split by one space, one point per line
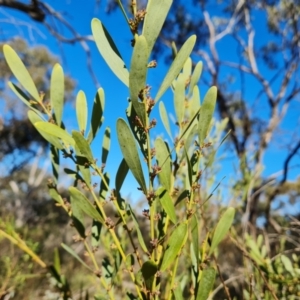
55 131
179 99
187 70
130 152
137 228
109 51
175 243
19 70
157 11
34 118
176 66
194 102
54 155
222 228
81 111
83 146
97 114
138 74
105 145
177 292
95 233
195 236
55 195
121 174
206 113
206 283
149 269
84 167
163 158
57 88
164 117
75 255
167 203
85 205
287 264
195 77
24 98
77 216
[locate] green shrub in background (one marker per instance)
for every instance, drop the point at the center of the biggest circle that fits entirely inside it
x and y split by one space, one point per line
175 255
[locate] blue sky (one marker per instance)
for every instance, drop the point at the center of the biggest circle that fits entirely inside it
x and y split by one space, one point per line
73 60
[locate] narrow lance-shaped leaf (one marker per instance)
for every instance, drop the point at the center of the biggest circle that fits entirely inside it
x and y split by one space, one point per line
175 243
97 114
77 216
75 255
105 145
206 283
162 152
25 99
55 131
57 88
83 145
195 236
149 269
164 117
222 228
167 203
81 111
19 70
179 99
138 74
121 174
195 76
34 118
109 51
157 11
84 204
206 113
176 66
130 152
187 70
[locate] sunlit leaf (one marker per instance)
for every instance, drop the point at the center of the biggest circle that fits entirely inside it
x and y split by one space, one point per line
81 111
164 117
176 66
19 70
57 88
130 153
83 145
77 215
179 99
222 228
206 114
195 77
195 236
157 11
138 74
206 283
34 118
109 51
175 243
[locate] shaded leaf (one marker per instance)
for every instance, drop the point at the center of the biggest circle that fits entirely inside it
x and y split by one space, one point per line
109 51
157 11
175 243
222 228
121 174
105 145
19 70
57 88
163 158
97 114
130 153
137 228
81 111
84 204
167 203
77 216
206 113
195 236
149 269
176 66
